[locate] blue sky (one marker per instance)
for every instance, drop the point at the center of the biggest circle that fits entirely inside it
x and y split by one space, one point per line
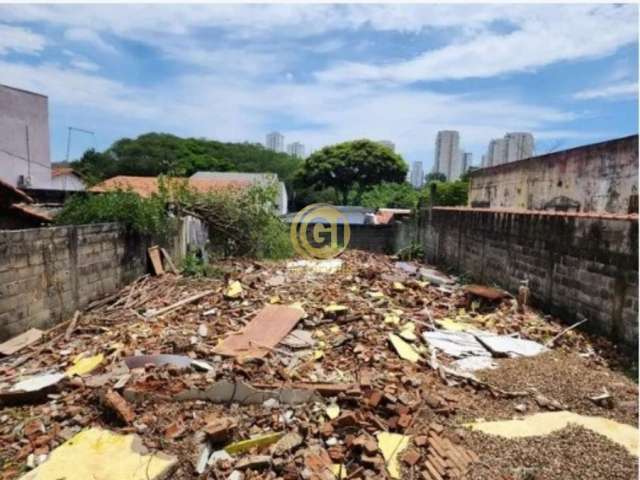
321 74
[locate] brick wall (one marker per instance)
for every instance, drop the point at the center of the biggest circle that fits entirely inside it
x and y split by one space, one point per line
47 273
576 264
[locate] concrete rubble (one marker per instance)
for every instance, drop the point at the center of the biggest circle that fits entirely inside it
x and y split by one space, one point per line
354 368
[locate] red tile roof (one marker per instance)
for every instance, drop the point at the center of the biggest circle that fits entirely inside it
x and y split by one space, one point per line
147 186
58 171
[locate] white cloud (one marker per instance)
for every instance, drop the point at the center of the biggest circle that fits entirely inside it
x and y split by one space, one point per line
609 92
217 107
86 35
79 89
20 40
545 37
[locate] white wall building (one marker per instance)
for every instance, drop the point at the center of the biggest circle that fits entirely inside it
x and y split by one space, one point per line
24 138
65 178
296 149
448 160
275 142
417 175
496 154
261 179
519 145
514 146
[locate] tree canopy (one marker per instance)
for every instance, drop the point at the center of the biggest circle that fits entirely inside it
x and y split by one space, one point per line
153 154
391 195
355 165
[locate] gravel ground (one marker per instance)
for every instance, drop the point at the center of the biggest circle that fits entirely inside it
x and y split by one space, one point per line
572 453
565 377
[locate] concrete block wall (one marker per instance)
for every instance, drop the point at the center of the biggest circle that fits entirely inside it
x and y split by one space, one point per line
577 265
48 273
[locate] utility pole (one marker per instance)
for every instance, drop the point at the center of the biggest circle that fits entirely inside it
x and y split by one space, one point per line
80 130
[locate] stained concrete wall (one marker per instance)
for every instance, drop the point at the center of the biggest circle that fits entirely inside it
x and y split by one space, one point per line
577 265
602 177
48 273
24 137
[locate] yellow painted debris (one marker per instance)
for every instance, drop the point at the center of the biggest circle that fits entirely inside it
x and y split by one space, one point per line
259 441
399 286
234 290
334 329
453 325
406 351
391 445
333 411
376 294
318 354
274 299
549 422
333 308
408 335
339 471
407 332
391 319
98 453
83 366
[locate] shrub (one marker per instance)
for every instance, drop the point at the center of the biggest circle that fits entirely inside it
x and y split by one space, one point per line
147 216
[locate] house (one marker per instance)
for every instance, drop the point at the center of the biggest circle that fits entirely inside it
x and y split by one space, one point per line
18 210
262 179
66 179
24 138
147 186
601 177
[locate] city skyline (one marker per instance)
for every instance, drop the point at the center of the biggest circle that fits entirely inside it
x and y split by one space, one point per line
399 72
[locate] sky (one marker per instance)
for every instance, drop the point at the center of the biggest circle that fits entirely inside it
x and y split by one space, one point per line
322 74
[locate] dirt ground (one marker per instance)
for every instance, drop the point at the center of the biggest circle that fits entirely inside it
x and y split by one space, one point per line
352 365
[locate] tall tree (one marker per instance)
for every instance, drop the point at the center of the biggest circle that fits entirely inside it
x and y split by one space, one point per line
355 165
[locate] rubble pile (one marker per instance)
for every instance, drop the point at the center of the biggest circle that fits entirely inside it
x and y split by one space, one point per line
306 369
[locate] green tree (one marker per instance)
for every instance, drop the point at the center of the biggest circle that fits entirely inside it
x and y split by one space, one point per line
154 154
390 195
352 166
447 194
435 177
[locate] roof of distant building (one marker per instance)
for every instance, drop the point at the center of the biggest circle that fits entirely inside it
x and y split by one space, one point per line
236 176
147 186
39 211
59 171
14 193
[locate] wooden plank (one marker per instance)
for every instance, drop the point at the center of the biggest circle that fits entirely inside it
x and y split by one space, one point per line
261 334
17 343
156 260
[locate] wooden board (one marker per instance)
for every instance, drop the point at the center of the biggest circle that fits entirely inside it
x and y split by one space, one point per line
268 327
17 343
156 260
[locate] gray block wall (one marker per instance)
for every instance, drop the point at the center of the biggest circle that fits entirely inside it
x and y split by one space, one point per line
48 273
576 265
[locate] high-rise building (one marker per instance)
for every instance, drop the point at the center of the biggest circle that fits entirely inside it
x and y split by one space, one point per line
296 149
389 144
496 154
483 162
275 142
448 160
417 175
519 146
467 159
514 146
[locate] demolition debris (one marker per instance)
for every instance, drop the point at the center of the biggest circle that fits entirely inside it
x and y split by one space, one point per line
358 367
